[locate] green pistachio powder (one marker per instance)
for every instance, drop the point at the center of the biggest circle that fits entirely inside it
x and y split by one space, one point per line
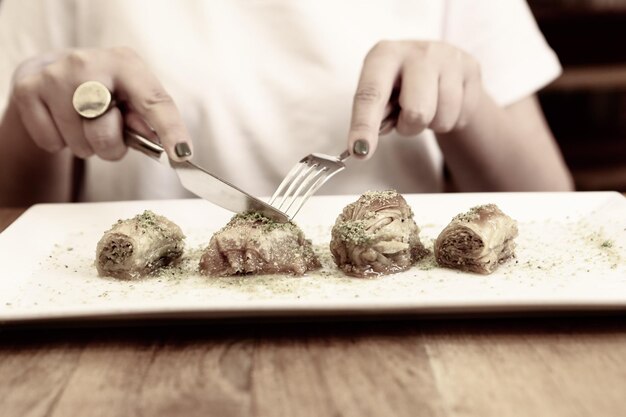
355 231
470 215
145 221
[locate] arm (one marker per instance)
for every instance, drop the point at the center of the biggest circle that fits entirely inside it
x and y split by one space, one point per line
505 149
439 87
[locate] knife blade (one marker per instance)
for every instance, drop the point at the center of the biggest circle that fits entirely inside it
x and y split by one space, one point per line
204 184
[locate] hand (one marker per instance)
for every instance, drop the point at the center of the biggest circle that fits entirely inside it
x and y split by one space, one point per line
43 88
437 85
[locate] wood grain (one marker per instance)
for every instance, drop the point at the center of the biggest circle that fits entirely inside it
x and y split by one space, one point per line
556 366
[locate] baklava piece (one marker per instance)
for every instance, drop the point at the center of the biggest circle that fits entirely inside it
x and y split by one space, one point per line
477 241
254 244
137 247
376 235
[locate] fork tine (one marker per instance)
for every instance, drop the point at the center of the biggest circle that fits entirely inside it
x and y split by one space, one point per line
287 180
304 179
312 189
295 182
305 185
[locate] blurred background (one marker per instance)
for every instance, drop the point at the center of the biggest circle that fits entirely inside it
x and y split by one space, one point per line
586 106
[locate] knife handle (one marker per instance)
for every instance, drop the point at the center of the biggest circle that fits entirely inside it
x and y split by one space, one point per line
143 145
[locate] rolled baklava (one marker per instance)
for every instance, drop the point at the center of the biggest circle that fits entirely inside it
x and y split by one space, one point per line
477 241
136 247
376 235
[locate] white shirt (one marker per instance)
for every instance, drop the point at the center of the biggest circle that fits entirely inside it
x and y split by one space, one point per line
261 83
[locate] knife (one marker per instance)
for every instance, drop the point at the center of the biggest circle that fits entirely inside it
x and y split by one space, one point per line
204 184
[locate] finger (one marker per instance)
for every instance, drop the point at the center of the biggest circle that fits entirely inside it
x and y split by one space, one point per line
71 129
37 118
378 76
149 99
104 135
418 97
34 65
472 89
57 94
449 103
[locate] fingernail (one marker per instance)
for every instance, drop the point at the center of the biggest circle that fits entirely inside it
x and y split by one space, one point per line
182 149
361 147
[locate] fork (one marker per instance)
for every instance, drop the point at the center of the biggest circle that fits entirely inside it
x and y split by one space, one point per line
314 170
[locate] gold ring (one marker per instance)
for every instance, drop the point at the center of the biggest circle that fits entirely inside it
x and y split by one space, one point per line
92 99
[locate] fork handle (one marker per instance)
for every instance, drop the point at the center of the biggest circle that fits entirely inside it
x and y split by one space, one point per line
344 155
392 111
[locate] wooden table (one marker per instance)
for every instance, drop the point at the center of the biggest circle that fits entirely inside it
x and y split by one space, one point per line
568 366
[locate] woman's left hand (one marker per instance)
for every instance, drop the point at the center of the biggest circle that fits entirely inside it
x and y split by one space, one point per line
438 87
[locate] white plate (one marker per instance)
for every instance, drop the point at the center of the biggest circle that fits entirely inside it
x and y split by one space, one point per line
570 256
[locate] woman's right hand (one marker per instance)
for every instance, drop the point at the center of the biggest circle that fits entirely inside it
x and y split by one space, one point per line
43 88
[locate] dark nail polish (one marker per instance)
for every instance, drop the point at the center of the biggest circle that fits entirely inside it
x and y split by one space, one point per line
361 147
182 149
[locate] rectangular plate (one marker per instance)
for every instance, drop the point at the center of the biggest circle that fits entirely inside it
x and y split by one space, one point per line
570 257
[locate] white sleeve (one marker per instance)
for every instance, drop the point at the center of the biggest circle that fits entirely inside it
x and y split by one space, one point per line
29 28
503 36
